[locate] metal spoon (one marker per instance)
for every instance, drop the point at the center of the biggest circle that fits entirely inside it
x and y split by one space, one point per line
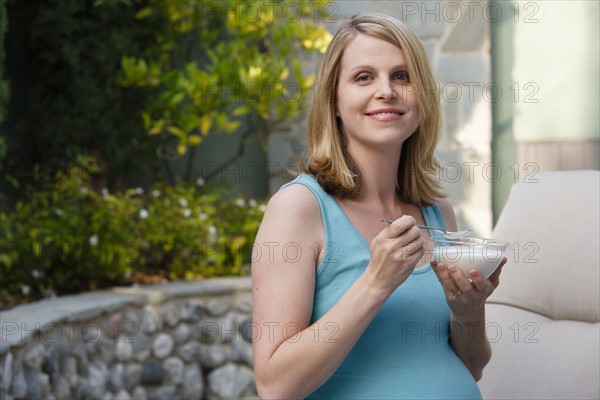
446 234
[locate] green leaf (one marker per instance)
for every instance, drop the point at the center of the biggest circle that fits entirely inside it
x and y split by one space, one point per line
176 99
232 126
194 140
176 131
144 13
157 127
241 110
205 124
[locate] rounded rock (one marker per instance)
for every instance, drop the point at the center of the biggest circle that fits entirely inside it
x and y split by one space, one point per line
152 374
6 373
246 330
181 333
229 381
132 375
34 356
192 310
193 382
138 393
173 368
189 351
124 350
217 307
170 314
97 378
18 385
151 321
162 346
68 366
38 384
165 393
213 356
115 376
122 395
62 390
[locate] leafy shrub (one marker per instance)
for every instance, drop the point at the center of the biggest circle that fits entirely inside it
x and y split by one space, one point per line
69 237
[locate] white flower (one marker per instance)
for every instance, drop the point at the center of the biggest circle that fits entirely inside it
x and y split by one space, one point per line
240 202
144 213
93 240
104 192
200 182
183 202
252 203
83 190
25 290
212 232
59 212
139 191
156 193
202 216
262 208
187 212
36 274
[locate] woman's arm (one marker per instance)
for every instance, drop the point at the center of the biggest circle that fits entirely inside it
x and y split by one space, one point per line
467 321
291 357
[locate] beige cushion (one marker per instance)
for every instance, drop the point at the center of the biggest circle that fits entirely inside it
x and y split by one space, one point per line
535 357
554 260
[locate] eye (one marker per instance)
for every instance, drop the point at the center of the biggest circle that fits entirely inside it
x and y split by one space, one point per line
401 76
361 78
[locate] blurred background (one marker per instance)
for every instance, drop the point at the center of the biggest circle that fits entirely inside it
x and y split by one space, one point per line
140 139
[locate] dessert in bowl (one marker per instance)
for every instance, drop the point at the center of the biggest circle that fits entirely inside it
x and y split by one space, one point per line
467 254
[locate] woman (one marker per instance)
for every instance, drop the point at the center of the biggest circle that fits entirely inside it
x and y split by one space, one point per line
346 307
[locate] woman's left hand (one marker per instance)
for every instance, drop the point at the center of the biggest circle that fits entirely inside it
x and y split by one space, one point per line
466 294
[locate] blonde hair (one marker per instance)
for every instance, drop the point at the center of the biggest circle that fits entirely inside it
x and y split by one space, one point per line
328 159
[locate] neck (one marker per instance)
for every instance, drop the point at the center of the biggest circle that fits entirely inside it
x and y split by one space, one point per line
379 177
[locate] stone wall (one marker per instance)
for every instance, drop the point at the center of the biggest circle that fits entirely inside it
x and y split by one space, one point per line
173 341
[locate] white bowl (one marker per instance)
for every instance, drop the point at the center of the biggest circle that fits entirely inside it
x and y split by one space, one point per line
484 255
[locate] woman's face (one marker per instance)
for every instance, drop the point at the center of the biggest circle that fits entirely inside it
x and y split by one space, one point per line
375 100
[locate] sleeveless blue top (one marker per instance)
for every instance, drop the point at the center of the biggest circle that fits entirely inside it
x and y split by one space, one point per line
405 352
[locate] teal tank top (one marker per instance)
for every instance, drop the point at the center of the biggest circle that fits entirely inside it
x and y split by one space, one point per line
405 352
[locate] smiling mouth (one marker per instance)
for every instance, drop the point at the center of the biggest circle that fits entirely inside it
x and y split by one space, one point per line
386 113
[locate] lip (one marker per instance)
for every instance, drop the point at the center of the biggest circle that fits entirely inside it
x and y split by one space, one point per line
385 114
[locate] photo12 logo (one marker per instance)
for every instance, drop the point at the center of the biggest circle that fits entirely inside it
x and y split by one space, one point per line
454 11
268 11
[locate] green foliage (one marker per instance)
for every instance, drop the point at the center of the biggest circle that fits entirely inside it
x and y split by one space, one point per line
3 84
65 98
68 237
219 61
124 81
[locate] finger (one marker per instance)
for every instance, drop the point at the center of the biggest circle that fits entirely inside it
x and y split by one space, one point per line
495 277
462 282
399 226
445 279
416 247
476 279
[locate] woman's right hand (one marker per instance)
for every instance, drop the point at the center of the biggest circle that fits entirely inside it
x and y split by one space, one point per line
395 252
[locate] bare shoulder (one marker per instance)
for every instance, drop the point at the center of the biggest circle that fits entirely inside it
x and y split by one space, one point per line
295 203
448 214
293 215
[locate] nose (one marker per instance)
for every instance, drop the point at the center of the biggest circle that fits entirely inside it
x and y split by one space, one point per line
385 90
